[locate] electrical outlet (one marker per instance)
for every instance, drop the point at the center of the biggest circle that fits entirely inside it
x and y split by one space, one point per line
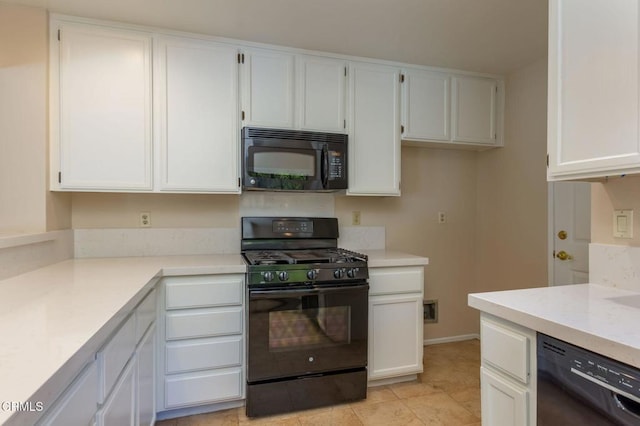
145 220
442 218
355 218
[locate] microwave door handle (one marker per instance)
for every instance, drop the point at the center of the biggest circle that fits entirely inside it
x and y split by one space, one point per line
324 173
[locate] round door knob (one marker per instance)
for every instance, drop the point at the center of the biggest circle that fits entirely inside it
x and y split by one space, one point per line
338 273
268 276
562 235
312 274
563 255
284 275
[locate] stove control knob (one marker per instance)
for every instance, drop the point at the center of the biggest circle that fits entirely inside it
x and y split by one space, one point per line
352 272
312 274
338 274
284 275
268 276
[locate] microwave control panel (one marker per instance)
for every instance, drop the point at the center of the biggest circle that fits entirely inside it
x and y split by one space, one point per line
336 165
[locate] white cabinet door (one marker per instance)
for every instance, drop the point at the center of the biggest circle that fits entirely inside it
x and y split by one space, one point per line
395 335
374 133
268 88
474 108
119 408
593 109
146 379
78 404
103 82
503 403
321 93
426 105
198 103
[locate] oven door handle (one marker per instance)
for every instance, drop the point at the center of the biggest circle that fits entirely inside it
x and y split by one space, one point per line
270 294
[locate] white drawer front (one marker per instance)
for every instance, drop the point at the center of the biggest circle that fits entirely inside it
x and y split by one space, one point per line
115 354
505 349
408 279
203 354
145 314
203 323
203 291
203 388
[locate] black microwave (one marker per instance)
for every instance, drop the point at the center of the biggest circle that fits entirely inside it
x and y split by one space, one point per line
290 160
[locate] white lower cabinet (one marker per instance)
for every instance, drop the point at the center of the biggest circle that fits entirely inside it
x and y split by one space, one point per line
118 386
79 402
503 401
508 373
395 322
201 352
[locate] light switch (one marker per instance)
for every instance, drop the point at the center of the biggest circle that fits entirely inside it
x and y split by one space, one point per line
623 223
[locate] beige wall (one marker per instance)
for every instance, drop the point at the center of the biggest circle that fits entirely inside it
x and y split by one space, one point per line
512 191
24 199
433 180
607 196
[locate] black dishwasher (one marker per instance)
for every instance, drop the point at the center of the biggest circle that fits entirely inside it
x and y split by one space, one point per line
580 387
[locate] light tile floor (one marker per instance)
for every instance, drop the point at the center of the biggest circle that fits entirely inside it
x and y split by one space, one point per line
447 394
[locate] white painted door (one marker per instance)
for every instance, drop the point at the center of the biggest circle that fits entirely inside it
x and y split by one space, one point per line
322 93
426 105
593 113
268 88
504 403
570 226
374 131
474 107
104 108
198 103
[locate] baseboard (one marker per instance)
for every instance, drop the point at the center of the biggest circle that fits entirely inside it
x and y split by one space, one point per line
451 339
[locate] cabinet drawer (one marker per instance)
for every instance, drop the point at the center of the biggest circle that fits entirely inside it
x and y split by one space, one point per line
203 323
115 354
203 291
78 403
505 349
203 388
145 314
396 280
203 354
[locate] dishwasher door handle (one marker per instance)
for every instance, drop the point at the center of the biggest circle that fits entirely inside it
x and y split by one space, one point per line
627 405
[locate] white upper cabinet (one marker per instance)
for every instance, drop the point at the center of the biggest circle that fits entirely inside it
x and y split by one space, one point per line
268 88
443 109
284 90
101 108
474 106
593 109
322 93
198 107
374 130
426 105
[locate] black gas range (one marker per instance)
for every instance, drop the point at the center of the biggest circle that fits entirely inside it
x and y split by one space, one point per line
307 323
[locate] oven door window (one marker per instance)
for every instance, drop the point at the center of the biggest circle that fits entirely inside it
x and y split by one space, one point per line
309 327
294 333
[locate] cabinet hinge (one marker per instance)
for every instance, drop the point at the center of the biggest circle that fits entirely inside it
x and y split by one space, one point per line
58 35
401 129
59 177
239 183
345 71
242 58
547 160
344 124
242 115
401 78
239 58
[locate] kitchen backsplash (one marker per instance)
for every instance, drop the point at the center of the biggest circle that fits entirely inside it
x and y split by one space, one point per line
193 241
615 266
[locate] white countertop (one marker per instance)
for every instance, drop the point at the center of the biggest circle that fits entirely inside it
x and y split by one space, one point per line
52 320
602 319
